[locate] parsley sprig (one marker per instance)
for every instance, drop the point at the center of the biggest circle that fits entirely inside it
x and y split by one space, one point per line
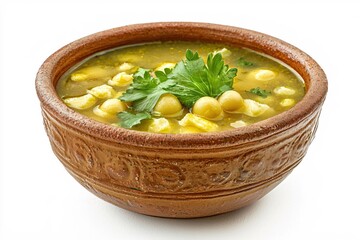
190 80
195 79
146 90
260 92
128 120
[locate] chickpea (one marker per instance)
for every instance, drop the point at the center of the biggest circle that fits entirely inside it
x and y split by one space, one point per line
125 67
113 106
209 108
231 101
168 106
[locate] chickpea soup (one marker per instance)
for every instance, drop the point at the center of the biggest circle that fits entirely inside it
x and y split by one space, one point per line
180 87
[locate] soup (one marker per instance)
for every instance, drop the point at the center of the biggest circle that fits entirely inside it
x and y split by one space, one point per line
180 87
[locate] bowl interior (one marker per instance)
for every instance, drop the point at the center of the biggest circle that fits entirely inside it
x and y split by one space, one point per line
58 63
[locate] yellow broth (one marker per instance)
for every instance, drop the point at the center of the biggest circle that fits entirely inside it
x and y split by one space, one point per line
153 55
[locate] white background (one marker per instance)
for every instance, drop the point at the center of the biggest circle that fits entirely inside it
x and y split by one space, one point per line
40 200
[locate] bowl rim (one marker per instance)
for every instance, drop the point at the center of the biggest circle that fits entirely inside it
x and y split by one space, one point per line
60 61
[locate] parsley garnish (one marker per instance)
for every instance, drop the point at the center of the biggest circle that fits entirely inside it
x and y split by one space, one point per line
195 79
190 80
244 63
145 91
128 120
260 92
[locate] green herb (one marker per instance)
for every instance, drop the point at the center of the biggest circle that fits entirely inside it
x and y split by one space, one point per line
146 90
128 120
244 63
195 79
260 92
190 80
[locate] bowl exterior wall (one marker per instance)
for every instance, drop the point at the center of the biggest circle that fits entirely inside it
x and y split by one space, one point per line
181 183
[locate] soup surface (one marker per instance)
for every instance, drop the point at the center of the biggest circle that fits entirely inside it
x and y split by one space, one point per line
180 87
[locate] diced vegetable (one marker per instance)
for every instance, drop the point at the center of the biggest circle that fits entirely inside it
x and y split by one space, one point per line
121 80
103 91
191 120
125 67
91 73
160 125
253 108
238 124
284 91
287 102
83 102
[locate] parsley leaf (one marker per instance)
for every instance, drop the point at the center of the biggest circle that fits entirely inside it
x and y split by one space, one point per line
145 91
244 63
190 80
195 79
128 120
260 92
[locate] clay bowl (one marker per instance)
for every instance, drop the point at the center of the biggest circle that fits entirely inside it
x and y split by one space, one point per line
180 176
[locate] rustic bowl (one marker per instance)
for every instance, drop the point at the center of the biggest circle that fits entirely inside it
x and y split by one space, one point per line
180 176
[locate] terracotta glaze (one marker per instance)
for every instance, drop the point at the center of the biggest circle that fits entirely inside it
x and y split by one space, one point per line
187 175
